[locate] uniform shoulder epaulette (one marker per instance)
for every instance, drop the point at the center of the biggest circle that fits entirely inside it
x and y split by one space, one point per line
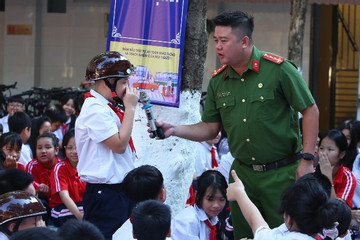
219 70
273 58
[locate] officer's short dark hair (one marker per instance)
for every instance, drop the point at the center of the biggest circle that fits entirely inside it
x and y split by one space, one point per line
236 19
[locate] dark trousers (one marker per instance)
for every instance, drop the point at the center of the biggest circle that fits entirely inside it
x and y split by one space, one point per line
106 206
60 219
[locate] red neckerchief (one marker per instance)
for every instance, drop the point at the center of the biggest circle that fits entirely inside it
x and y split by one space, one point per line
319 237
214 163
64 128
191 196
212 230
120 115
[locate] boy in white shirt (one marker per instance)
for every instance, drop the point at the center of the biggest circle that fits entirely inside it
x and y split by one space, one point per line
140 184
20 123
151 221
207 156
15 104
103 141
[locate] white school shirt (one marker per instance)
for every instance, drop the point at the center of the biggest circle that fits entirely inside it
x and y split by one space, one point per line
59 133
97 163
279 233
346 237
223 147
4 122
26 154
189 224
124 232
203 158
225 165
356 172
3 236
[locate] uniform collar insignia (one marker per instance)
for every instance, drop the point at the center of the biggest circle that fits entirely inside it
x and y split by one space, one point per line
255 65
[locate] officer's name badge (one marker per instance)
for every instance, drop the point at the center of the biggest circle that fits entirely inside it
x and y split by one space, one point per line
223 94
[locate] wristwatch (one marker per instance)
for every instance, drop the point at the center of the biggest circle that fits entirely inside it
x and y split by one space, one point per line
308 156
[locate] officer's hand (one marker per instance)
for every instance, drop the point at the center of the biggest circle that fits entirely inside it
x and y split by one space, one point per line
166 127
303 168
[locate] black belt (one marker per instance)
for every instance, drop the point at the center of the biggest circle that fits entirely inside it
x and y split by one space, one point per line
280 163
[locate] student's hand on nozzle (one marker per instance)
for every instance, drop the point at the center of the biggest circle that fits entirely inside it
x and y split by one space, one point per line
167 128
131 97
235 188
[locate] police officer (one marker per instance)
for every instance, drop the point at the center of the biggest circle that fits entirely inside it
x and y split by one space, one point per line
256 97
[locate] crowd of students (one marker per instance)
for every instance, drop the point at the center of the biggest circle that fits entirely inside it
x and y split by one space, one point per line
328 198
76 170
34 160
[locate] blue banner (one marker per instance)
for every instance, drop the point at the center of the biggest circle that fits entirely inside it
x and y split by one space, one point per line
151 34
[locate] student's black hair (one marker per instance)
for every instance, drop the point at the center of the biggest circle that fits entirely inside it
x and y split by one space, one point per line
318 177
54 139
343 216
13 179
74 229
2 159
18 121
11 138
36 124
308 205
223 135
339 138
320 134
1 129
151 220
66 97
213 179
143 183
356 125
236 19
352 151
16 99
70 134
56 113
36 233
